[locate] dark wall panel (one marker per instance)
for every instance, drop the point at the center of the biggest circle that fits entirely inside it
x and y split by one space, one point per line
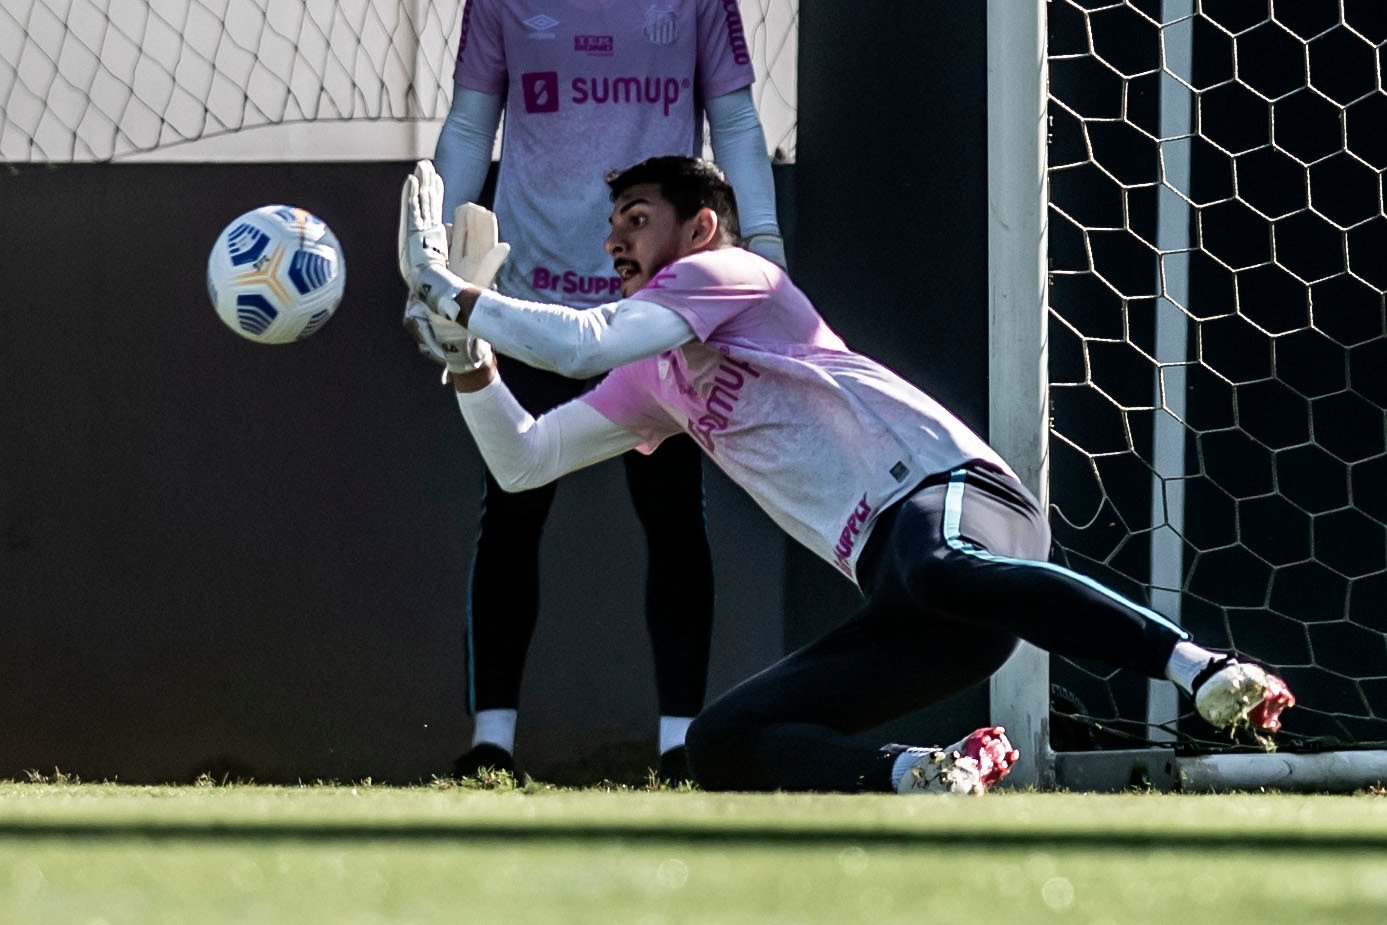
220 556
891 239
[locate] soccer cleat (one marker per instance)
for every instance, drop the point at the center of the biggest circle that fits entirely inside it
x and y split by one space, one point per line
1229 693
971 766
484 757
674 767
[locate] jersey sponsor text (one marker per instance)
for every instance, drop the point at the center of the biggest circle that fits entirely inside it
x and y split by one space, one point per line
847 540
662 91
722 399
540 91
543 279
736 36
596 45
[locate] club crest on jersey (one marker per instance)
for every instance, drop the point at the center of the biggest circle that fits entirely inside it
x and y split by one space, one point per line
661 25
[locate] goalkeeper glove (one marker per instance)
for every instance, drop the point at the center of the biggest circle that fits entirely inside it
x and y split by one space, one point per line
423 239
475 253
475 250
444 341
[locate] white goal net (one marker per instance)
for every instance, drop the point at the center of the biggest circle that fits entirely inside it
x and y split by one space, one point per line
1218 347
119 80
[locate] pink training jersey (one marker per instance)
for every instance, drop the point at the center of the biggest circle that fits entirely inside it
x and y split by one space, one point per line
821 437
590 86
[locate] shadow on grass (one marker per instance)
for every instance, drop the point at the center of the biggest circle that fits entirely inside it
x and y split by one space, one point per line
729 835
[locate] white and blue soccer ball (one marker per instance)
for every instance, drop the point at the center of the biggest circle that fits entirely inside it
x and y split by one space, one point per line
276 274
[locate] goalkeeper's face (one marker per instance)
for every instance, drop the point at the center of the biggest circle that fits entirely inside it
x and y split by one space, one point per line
647 235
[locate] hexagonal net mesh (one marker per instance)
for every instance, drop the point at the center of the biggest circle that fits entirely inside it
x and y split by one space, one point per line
1218 346
102 80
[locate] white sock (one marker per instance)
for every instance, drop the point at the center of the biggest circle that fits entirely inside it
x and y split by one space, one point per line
672 731
1185 664
904 762
495 727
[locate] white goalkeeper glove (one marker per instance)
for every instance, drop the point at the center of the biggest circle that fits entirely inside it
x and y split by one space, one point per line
445 341
475 248
423 240
475 253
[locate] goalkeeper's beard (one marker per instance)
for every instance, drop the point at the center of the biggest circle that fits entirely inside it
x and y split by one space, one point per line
629 272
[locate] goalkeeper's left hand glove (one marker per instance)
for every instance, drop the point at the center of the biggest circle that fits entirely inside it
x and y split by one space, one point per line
423 240
475 249
445 342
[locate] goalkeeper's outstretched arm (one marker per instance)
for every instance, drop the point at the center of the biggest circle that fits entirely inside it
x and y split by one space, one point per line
573 342
523 452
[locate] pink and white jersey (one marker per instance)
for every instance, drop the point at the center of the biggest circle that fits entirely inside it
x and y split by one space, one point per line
590 86
821 437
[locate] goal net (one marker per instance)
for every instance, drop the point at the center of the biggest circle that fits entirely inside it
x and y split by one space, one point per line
266 80
1218 349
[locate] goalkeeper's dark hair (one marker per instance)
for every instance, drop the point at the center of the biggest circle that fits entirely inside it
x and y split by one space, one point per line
689 184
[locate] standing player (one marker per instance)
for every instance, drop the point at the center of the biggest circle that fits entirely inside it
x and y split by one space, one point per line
854 462
587 85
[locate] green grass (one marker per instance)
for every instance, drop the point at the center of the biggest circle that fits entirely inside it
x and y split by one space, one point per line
108 853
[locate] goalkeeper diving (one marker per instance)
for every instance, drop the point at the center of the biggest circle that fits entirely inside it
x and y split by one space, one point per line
860 466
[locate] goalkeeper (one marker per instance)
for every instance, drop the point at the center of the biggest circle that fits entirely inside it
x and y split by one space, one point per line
857 464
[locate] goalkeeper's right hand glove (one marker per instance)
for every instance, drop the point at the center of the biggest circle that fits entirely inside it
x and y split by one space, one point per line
423 240
445 342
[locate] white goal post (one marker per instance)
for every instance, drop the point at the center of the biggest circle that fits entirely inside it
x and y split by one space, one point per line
1162 435
1018 378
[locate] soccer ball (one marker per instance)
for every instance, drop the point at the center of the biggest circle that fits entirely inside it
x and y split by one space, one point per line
276 274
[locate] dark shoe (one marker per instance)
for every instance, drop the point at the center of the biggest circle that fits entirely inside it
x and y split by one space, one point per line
674 767
484 757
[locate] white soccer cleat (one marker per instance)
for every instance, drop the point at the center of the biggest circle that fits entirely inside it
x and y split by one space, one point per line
1230 693
971 766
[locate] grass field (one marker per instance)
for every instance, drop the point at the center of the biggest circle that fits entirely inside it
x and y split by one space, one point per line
108 853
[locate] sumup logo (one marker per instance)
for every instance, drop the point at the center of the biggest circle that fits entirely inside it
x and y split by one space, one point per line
540 91
724 393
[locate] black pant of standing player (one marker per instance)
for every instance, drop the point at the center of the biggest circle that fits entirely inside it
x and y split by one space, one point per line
667 493
954 575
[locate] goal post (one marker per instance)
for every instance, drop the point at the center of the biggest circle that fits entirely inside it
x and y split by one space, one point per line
1018 377
1210 440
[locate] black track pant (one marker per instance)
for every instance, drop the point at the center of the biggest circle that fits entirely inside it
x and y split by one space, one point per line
954 576
667 493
